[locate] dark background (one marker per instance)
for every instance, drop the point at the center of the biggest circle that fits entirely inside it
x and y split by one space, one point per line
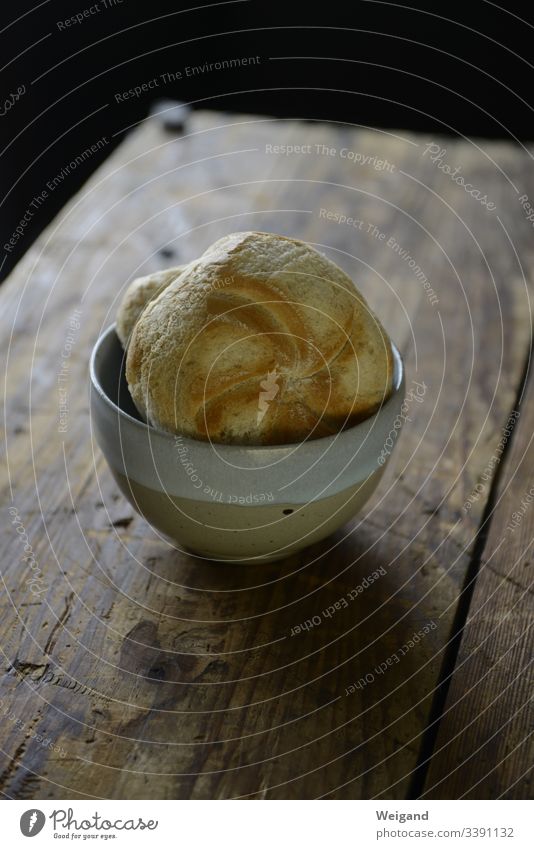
432 67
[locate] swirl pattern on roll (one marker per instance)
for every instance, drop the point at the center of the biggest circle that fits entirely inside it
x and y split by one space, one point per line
262 340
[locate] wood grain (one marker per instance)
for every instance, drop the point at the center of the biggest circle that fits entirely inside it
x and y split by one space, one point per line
485 746
154 674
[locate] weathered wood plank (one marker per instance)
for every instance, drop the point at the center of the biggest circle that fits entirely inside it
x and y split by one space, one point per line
485 747
158 675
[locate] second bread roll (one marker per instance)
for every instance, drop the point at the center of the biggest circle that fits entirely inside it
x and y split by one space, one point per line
137 296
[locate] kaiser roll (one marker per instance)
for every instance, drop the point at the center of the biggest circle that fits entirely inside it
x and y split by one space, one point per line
262 340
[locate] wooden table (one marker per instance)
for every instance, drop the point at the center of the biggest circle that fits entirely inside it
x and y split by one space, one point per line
130 670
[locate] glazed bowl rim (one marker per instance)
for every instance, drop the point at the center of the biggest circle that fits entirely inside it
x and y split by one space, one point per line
309 446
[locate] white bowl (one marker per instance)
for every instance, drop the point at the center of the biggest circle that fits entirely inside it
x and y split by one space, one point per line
231 502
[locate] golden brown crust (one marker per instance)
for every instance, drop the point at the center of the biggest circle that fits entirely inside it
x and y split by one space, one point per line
262 340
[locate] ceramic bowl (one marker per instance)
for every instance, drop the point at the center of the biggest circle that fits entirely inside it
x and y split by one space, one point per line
230 502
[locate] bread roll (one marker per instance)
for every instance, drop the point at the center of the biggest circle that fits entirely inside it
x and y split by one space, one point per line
262 340
137 295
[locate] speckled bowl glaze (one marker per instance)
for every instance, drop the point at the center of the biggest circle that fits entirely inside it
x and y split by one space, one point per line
230 502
